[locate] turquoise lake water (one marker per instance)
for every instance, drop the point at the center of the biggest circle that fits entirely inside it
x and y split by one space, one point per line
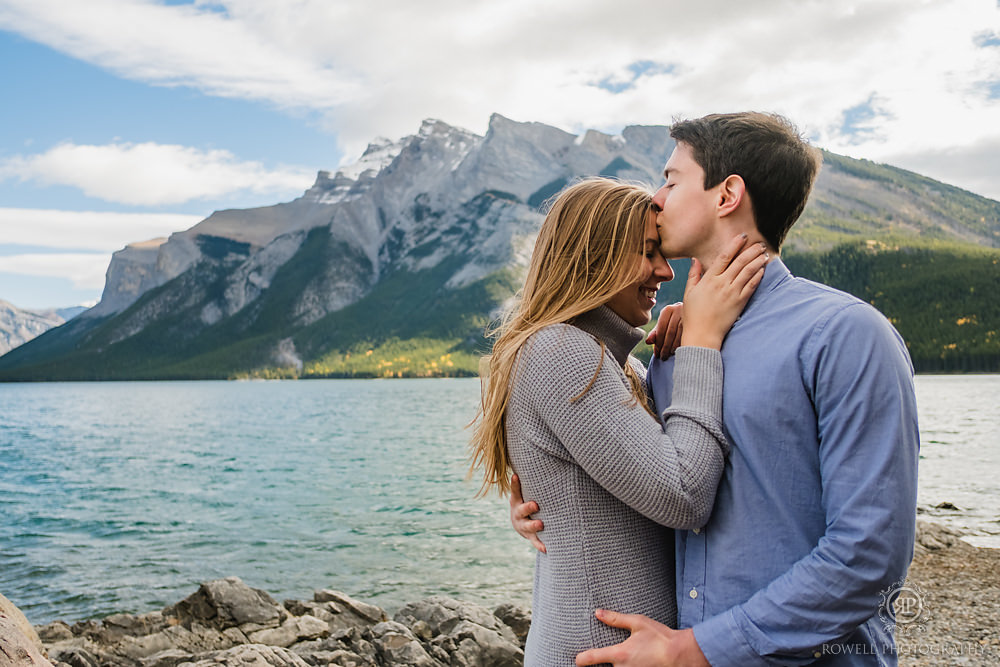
124 496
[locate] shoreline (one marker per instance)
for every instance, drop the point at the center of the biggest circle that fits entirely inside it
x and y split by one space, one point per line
455 375
954 588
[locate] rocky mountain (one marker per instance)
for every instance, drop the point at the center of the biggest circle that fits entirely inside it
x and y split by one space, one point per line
393 266
18 326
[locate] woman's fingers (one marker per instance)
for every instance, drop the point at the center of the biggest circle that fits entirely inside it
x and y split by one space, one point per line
665 336
694 276
751 275
715 300
672 332
729 253
744 259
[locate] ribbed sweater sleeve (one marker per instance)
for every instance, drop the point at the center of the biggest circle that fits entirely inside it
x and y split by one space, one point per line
669 473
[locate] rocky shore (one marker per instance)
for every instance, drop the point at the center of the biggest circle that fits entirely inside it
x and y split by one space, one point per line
954 591
227 623
957 586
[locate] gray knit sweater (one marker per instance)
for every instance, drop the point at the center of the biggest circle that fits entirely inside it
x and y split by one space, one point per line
608 478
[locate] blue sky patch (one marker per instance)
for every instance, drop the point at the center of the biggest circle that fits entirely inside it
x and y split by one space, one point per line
858 120
987 39
637 70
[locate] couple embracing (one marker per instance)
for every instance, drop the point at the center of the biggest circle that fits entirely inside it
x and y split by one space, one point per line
683 517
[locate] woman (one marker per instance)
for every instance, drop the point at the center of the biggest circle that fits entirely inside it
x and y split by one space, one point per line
564 407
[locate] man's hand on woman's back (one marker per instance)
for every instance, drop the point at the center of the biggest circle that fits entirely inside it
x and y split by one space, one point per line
520 516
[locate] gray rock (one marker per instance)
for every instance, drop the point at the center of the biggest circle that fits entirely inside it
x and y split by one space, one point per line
195 639
934 537
229 602
294 629
168 658
476 646
77 657
142 647
516 618
248 655
54 632
340 657
12 618
442 614
137 626
396 645
16 649
468 634
368 612
227 623
325 611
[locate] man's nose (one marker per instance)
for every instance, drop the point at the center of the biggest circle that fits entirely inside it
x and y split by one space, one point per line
660 197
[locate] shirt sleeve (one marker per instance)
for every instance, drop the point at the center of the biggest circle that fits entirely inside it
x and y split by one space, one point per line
860 381
668 474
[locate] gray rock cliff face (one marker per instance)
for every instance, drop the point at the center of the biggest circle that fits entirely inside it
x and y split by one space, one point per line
134 270
18 326
443 193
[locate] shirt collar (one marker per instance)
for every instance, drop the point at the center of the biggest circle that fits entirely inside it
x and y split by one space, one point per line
775 273
618 335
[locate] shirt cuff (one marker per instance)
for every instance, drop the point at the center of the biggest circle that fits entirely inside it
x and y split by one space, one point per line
723 643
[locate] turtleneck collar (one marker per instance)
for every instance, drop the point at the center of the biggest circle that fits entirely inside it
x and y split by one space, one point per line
618 335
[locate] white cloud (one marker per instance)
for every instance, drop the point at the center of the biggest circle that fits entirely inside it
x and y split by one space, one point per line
87 230
151 174
84 270
179 46
378 68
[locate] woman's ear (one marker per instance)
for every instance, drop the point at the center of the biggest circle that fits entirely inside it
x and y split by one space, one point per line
732 191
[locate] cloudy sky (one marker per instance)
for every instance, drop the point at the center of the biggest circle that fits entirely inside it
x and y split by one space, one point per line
123 120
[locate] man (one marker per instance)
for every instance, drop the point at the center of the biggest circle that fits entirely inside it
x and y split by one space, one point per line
814 519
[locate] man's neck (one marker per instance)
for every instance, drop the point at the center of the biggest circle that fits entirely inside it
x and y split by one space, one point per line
711 250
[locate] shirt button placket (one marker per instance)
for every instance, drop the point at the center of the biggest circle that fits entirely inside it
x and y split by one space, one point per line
697 553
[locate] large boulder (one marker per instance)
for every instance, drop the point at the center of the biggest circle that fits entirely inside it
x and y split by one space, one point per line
932 536
397 645
461 633
19 644
227 603
516 618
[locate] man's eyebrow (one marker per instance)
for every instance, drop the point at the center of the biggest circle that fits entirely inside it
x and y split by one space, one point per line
666 172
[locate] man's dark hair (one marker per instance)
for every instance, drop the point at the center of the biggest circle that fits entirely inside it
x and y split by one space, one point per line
767 152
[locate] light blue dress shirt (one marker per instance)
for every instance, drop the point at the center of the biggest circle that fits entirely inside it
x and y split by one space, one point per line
814 518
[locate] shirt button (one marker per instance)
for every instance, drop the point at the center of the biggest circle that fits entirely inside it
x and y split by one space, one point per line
693 594
817 654
696 531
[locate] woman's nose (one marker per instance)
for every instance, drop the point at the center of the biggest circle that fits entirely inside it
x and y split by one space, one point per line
663 271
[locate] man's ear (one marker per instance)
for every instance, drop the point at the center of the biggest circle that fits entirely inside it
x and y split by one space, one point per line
732 191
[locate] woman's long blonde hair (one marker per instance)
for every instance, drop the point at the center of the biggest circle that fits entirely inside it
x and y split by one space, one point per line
588 249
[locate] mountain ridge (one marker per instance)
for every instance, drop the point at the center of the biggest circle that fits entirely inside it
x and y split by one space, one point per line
444 217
